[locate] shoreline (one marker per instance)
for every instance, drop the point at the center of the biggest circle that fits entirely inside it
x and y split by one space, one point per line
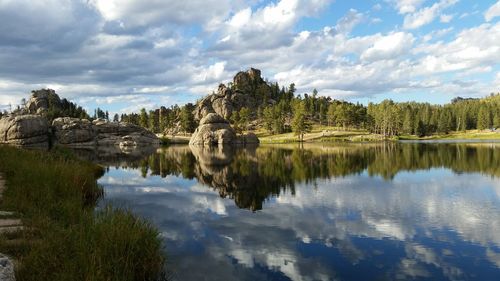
334 135
64 236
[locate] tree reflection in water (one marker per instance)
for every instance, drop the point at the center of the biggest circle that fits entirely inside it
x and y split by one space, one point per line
251 175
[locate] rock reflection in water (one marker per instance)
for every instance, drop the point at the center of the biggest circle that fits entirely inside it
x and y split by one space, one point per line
132 157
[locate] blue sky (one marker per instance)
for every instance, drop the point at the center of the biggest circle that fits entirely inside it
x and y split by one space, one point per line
122 55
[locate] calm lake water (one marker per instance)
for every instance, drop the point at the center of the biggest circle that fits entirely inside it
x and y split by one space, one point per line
320 212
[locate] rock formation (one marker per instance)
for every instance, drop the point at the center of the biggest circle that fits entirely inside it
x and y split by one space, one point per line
41 99
122 134
213 111
24 130
34 129
215 130
73 132
76 132
227 100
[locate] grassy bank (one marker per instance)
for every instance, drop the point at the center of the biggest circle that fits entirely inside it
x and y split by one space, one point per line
334 134
65 238
468 135
320 134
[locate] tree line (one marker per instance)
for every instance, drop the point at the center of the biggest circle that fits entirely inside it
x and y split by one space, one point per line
280 110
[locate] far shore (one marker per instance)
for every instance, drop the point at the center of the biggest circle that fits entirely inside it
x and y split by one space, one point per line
334 134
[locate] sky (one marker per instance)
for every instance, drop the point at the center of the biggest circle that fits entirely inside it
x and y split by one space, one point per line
122 55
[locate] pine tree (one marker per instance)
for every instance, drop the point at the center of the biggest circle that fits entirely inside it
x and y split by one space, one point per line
331 114
300 125
444 125
408 122
143 118
483 118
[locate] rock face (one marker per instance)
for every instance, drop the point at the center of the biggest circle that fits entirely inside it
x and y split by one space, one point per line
226 100
41 99
122 134
24 130
6 269
34 130
213 130
73 132
82 133
214 110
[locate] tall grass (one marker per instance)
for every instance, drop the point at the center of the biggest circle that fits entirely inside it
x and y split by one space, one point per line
65 239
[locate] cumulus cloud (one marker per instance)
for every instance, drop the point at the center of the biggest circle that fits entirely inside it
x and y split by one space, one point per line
426 15
492 12
406 6
390 46
132 13
184 49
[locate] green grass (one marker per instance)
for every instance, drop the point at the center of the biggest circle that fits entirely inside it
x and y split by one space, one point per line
334 134
65 238
468 135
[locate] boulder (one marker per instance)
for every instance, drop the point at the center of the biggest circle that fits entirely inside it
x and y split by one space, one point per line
73 132
24 130
6 269
213 130
213 118
122 134
248 139
81 132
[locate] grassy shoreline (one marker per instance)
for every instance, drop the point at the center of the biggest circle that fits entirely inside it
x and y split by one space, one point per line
331 134
65 238
335 135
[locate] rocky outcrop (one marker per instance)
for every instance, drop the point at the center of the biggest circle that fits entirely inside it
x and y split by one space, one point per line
213 130
40 101
227 100
24 130
73 132
76 132
122 134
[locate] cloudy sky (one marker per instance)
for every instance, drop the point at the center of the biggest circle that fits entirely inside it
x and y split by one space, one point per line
122 55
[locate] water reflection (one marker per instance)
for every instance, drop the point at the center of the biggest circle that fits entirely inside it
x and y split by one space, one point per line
350 212
251 175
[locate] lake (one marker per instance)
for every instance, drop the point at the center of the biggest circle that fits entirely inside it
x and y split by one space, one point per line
387 211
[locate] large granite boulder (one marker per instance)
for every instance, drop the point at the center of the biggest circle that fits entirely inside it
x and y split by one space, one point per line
73 132
213 130
40 101
122 134
81 132
24 130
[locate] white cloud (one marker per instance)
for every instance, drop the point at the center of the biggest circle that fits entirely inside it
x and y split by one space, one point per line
492 12
406 6
426 15
445 18
389 47
133 13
